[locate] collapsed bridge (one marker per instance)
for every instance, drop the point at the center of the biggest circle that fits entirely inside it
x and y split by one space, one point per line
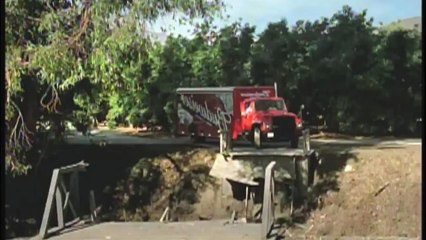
257 179
244 173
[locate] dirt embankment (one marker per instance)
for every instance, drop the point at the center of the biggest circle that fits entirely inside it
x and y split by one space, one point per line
131 183
363 191
178 180
374 192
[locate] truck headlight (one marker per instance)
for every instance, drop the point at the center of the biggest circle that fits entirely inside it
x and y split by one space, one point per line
299 125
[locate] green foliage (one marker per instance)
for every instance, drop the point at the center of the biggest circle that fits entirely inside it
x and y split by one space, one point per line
80 55
91 59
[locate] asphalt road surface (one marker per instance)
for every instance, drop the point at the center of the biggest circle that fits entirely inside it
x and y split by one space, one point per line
206 230
106 138
200 230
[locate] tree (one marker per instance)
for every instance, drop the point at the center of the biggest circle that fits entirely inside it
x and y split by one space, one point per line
271 55
55 45
235 43
80 59
401 62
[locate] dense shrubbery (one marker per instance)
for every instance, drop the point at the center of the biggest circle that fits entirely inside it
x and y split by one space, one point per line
359 79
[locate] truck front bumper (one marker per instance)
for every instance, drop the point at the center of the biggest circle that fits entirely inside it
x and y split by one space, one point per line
273 137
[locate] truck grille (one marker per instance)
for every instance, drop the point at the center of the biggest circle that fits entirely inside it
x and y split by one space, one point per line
283 127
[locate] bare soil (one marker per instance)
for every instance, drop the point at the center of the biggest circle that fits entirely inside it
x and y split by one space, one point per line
376 192
326 135
363 191
181 183
134 131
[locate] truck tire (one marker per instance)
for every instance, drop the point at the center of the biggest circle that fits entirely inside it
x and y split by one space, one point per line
294 142
257 139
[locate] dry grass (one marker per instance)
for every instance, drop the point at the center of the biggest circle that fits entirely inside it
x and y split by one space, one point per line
380 197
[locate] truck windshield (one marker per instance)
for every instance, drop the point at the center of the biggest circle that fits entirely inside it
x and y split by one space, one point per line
267 105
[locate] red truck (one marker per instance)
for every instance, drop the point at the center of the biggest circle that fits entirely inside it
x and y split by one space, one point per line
253 113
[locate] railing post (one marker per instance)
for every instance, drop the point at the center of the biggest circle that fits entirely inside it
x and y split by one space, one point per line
268 204
72 199
225 141
48 206
306 141
75 191
92 203
59 208
220 141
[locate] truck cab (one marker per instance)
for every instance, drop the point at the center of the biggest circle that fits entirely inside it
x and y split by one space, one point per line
267 119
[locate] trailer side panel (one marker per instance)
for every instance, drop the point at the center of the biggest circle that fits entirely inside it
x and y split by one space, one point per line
203 113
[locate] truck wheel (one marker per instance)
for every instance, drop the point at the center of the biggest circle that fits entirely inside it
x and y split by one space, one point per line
294 142
257 137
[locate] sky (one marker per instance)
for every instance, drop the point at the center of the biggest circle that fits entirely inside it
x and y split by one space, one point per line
261 12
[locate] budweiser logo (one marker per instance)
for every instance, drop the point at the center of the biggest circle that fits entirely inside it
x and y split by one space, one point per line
220 118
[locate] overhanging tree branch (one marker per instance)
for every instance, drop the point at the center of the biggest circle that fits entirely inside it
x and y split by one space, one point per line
20 134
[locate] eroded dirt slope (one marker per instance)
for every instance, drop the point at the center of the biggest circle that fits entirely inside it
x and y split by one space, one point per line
374 192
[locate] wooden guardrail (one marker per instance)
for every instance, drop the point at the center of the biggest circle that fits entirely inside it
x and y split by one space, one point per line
268 208
306 140
225 141
71 200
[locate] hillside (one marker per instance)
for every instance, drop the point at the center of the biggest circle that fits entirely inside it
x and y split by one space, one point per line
414 23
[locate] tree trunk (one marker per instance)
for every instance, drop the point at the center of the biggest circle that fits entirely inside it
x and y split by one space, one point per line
30 106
